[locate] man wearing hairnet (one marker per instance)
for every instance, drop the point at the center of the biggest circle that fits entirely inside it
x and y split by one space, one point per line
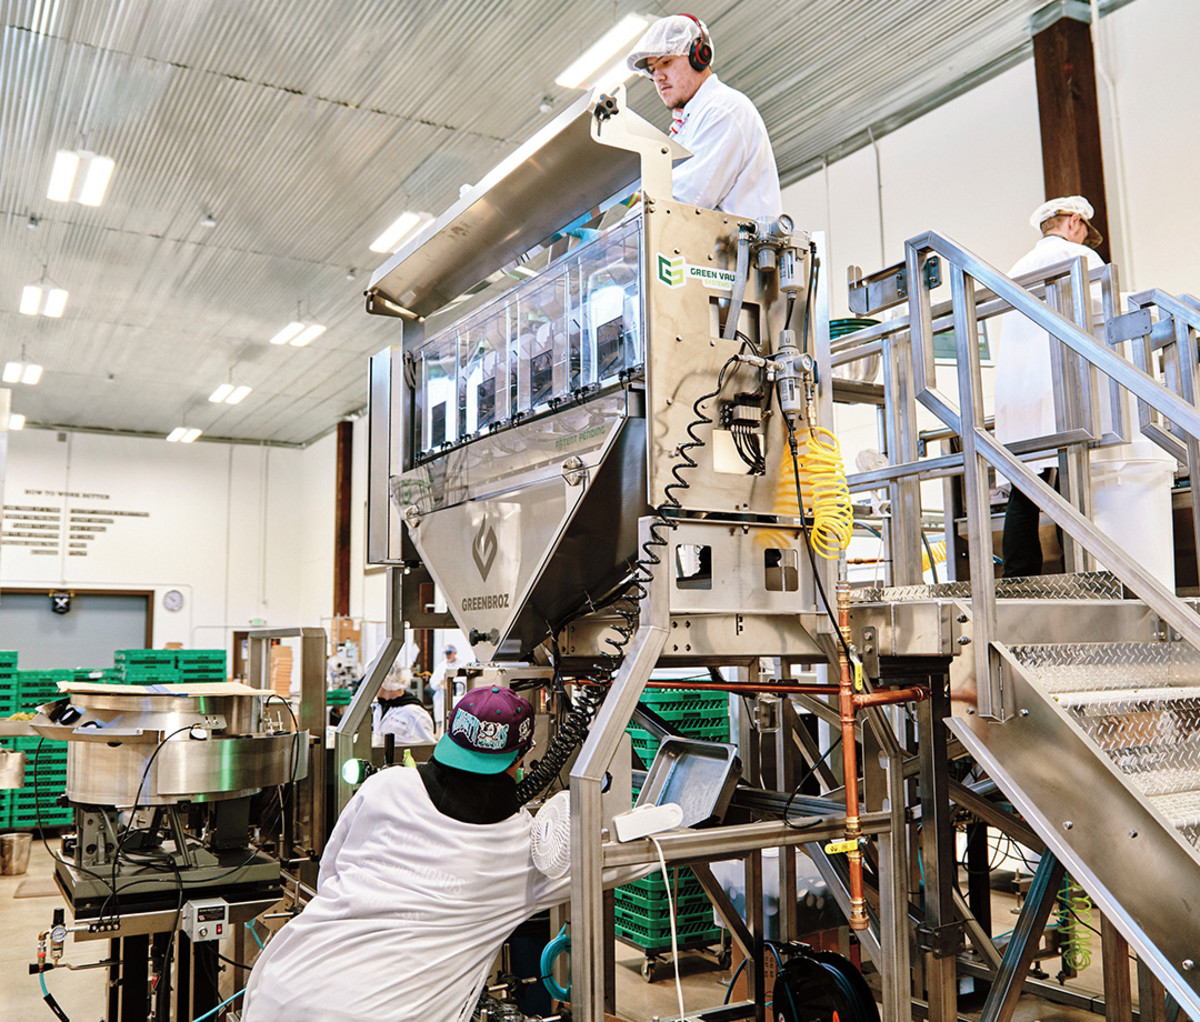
1024 384
732 167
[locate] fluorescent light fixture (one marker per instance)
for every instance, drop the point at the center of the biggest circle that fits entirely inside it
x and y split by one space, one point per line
56 302
32 303
95 181
599 54
176 434
221 393
190 435
16 420
239 393
287 333
307 335
22 372
67 184
62 177
401 227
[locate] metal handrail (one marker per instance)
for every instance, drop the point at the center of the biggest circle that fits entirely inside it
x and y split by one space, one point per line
910 381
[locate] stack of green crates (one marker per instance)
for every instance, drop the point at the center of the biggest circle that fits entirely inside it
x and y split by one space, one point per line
8 683
201 664
168 666
642 916
146 666
36 804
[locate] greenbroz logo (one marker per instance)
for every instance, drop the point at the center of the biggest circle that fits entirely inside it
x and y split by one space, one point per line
676 271
483 549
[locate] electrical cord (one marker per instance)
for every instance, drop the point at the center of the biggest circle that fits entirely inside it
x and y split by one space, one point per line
803 780
662 859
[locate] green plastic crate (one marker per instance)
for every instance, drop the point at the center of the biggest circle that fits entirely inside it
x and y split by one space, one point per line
693 932
642 907
700 700
145 656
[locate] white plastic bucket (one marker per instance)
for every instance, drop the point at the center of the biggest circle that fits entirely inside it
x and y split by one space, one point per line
1131 503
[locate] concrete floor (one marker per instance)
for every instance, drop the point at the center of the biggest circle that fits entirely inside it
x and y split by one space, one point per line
27 905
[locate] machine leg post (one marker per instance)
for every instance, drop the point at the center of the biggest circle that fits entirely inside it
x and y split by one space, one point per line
756 982
937 853
1118 995
895 967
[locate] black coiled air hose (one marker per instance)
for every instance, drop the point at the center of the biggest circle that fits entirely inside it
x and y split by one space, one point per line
575 727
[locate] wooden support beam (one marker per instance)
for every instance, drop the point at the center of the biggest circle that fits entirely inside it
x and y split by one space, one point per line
341 519
1069 115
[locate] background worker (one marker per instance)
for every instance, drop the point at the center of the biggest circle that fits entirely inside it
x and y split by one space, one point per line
1024 400
401 713
732 167
428 871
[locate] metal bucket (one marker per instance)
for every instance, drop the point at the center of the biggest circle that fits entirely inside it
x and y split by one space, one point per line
14 853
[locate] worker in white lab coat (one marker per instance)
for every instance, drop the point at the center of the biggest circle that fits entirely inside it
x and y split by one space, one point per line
1024 402
732 166
400 713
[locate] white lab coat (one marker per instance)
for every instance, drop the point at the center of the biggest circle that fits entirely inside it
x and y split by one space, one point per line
1024 398
732 167
411 908
411 724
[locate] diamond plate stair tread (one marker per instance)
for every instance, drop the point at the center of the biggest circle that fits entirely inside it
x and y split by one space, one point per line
1113 698
1181 808
1097 585
1106 666
1170 781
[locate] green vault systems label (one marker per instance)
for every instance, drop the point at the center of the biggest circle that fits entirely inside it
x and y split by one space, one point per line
675 271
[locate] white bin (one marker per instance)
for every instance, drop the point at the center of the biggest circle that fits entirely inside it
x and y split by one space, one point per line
1131 503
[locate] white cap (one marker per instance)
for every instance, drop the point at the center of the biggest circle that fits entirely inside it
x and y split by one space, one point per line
668 37
1066 205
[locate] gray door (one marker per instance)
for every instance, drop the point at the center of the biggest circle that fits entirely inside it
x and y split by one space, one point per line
85 636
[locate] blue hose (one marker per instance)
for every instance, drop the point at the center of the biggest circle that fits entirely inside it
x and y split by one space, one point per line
213 1011
550 953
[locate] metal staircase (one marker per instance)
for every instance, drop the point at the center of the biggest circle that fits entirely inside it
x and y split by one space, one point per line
1081 701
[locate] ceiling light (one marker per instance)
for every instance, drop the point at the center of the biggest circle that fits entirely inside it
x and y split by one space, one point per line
599 55
221 393
16 420
56 302
401 227
79 177
48 301
183 435
612 76
22 372
62 177
239 393
307 335
287 333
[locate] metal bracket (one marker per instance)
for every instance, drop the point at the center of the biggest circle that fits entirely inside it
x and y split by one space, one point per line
888 287
940 941
869 648
1129 326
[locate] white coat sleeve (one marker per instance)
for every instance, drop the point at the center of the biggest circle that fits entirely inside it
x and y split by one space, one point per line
338 838
718 147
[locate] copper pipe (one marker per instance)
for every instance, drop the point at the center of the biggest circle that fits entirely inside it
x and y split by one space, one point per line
890 695
847 711
733 686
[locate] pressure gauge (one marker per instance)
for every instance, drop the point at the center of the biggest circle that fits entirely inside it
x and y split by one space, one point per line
173 600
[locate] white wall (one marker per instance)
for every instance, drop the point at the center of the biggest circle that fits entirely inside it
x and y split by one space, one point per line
971 169
239 530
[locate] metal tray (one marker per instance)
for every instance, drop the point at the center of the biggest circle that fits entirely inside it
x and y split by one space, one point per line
698 776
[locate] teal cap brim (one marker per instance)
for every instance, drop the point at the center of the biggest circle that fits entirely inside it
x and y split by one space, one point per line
449 753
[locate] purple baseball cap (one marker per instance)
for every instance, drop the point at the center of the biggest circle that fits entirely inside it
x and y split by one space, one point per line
489 730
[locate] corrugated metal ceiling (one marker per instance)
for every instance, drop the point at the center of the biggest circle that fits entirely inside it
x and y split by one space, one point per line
304 127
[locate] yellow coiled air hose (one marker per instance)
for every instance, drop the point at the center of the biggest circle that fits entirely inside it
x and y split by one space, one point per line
825 493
